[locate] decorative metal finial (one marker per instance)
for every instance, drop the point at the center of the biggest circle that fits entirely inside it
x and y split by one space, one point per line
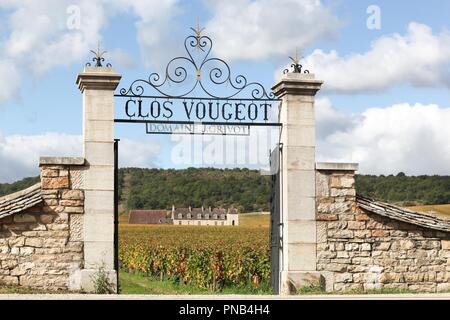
98 59
297 67
198 31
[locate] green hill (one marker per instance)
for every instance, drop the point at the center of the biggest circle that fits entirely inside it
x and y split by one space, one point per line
247 189
405 190
7 188
244 189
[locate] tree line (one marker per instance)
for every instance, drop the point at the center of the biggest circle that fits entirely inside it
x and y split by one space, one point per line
247 190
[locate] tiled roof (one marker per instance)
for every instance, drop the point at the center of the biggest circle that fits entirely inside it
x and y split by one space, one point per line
21 200
401 214
147 216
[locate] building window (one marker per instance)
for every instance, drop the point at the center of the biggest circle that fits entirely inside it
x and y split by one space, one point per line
189 216
199 216
222 216
206 216
180 216
214 216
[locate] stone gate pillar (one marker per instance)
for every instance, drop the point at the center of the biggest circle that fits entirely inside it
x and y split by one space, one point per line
298 265
97 85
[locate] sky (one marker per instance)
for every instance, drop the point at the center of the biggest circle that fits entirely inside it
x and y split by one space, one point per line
385 102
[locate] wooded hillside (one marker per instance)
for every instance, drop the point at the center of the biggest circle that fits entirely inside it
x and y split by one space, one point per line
247 189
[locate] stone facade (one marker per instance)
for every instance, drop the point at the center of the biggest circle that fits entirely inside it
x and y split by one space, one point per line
205 217
42 246
361 250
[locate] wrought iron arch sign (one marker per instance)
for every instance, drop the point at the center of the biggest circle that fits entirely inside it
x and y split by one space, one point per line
236 106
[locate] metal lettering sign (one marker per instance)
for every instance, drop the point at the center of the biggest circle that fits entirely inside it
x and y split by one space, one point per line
197 88
197 128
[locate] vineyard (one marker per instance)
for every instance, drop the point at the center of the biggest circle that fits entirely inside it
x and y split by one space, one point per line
207 257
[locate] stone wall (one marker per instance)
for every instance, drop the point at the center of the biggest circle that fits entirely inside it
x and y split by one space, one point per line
42 246
359 250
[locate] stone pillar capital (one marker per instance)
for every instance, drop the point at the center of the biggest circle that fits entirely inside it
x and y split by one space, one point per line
303 84
98 78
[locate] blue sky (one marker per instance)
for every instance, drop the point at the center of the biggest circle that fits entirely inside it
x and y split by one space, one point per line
385 102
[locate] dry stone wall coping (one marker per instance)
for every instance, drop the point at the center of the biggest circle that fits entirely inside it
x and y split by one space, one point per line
20 201
71 161
402 214
337 166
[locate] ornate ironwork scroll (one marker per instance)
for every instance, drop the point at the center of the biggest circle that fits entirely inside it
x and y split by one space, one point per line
98 58
208 71
296 66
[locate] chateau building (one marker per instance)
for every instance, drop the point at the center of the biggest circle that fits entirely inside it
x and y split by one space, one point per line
205 217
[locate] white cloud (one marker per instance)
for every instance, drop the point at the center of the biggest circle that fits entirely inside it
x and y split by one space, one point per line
9 79
39 36
40 39
142 154
419 58
261 29
121 58
19 154
156 27
402 137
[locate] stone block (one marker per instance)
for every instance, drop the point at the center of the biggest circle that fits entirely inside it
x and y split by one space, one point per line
300 136
49 173
340 207
76 227
72 195
98 227
55 183
301 231
99 202
445 244
72 203
17 242
327 217
54 242
85 279
99 178
302 257
322 185
103 108
356 225
321 232
24 218
335 192
298 280
74 210
99 153
9 280
34 242
26 251
380 233
97 253
343 277
98 131
343 234
362 234
362 217
383 246
299 158
63 173
301 183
